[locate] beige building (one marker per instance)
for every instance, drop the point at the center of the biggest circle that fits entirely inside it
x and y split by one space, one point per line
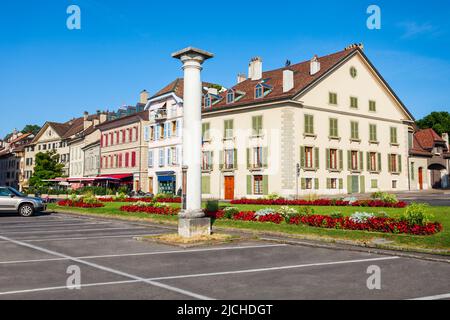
123 150
334 117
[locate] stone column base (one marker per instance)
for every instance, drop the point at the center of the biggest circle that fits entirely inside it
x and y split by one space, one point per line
191 227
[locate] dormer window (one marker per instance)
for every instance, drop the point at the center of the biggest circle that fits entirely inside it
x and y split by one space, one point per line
211 99
230 96
262 90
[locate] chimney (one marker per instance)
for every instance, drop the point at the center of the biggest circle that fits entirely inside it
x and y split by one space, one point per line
86 122
241 78
143 97
213 91
255 68
315 65
446 137
288 80
102 117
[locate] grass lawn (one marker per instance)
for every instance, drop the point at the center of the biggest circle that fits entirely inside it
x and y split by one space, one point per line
440 241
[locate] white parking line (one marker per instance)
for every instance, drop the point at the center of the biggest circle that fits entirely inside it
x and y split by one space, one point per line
107 269
145 253
52 225
72 230
436 297
85 238
201 275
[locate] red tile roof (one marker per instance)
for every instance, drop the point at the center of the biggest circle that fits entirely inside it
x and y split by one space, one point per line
274 78
428 138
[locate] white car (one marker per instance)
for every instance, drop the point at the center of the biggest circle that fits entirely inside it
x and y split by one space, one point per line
12 200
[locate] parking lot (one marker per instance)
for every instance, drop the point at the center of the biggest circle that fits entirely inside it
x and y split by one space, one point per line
37 253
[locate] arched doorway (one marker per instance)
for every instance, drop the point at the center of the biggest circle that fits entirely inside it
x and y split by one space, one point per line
421 178
436 176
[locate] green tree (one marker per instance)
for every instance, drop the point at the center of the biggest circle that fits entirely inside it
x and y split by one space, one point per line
31 128
438 121
47 167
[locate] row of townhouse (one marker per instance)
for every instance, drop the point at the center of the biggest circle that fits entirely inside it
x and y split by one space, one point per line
330 125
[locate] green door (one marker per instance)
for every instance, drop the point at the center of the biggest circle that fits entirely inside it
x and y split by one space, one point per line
355 184
363 184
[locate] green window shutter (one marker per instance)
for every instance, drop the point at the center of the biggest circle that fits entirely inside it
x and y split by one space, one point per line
225 128
327 160
303 183
221 159
254 132
302 157
379 162
412 171
249 184
341 160
265 185
248 159
265 155
311 125
341 183
316 183
316 157
399 163
235 158
389 163
349 160
336 128
368 161
349 184
362 182
206 184
328 183
211 165
361 161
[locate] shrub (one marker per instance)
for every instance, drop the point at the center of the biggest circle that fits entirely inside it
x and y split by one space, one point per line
385 197
306 211
90 200
287 213
336 215
417 214
361 217
265 212
273 196
229 212
212 205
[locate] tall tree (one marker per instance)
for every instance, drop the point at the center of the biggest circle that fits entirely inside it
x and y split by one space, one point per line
438 121
47 167
31 128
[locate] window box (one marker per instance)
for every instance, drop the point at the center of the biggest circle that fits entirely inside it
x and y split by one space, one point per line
355 140
335 138
395 144
374 142
310 135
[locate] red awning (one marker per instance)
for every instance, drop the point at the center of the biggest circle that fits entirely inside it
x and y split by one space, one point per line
81 179
116 176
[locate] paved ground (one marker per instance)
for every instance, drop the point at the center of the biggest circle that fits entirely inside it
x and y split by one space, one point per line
35 254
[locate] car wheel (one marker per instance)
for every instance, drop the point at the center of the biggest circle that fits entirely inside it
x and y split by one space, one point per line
26 210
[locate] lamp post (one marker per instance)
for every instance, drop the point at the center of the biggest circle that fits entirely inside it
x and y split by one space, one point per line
192 221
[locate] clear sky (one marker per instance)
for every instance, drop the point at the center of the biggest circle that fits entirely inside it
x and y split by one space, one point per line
48 72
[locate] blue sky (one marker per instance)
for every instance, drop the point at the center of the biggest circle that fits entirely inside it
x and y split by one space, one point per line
48 72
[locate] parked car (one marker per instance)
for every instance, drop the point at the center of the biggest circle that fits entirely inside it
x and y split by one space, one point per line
12 200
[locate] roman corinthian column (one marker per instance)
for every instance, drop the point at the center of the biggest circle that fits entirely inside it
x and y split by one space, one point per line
192 220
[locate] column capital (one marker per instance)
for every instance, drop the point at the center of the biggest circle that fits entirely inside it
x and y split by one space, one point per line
191 54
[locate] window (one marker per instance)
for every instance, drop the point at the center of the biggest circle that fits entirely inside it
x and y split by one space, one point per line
373 133
334 128
308 183
353 102
354 127
152 133
207 160
166 130
173 128
372 106
230 159
150 159
161 157
258 185
332 98
333 159
372 161
394 135
374 184
410 139
169 156
230 96
161 131
309 124
308 157
228 129
257 157
354 160
332 183
207 101
394 163
205 131
353 72
127 160
257 125
394 184
259 91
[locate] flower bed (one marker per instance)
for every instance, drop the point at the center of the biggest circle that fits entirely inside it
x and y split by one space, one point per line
371 224
79 204
378 224
167 211
320 202
166 200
